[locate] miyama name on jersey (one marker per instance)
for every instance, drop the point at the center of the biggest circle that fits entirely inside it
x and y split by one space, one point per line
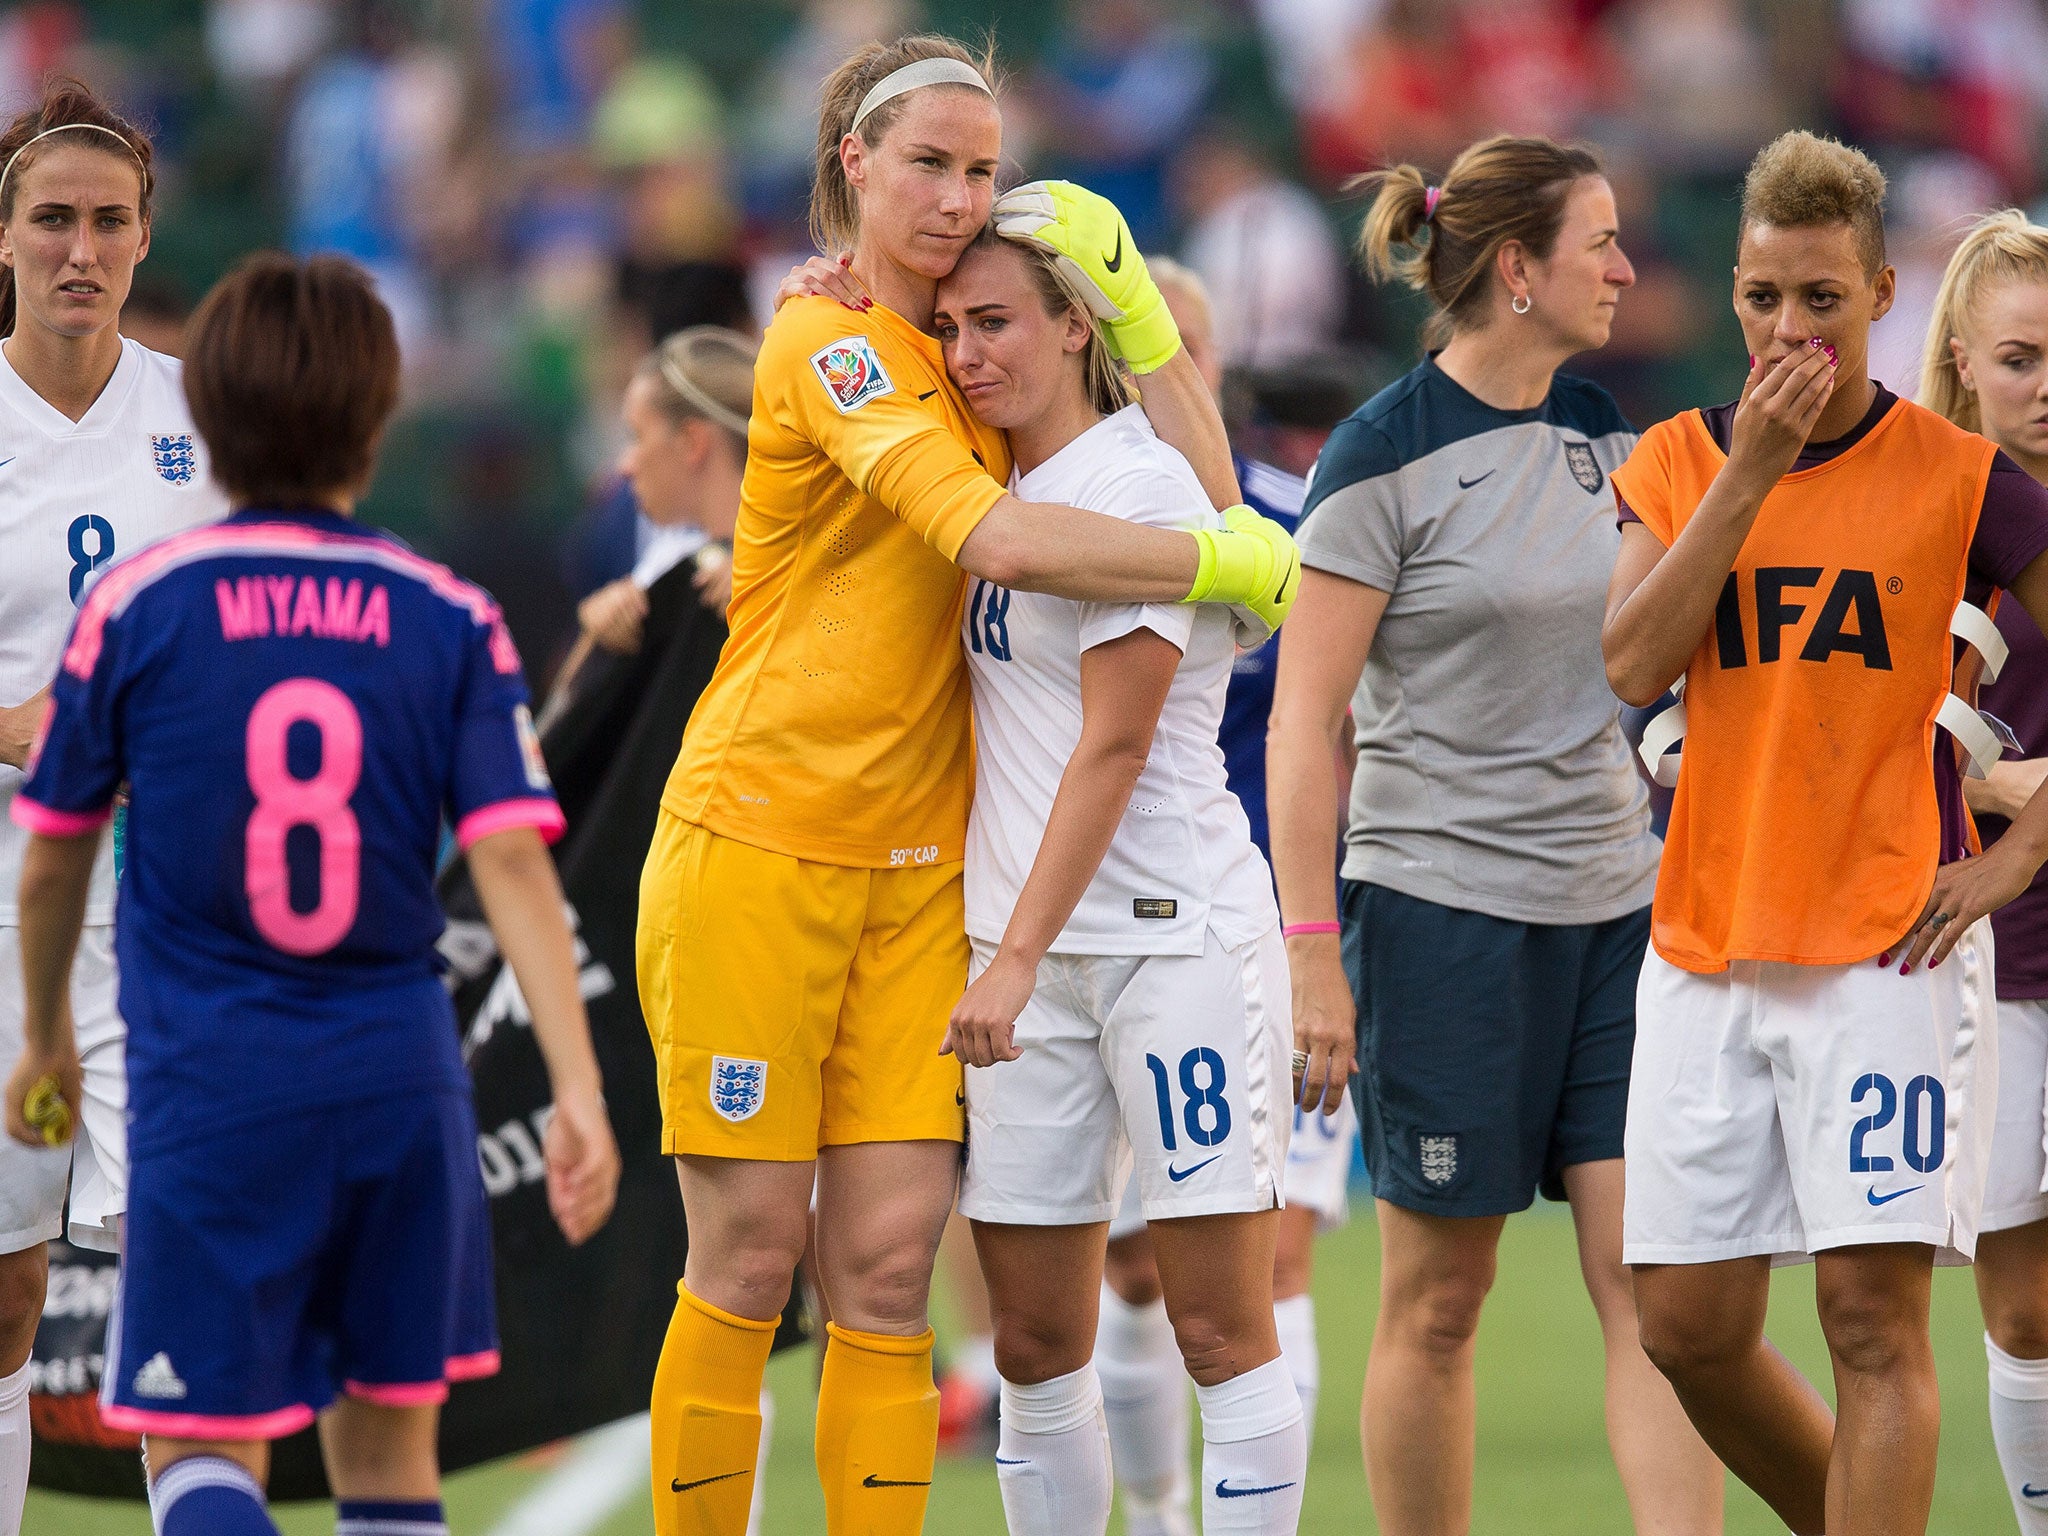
296 704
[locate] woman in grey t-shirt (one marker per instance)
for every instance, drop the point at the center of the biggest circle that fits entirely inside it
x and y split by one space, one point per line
1458 537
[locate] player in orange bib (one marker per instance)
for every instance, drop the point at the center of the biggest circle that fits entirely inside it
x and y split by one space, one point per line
802 932
1811 563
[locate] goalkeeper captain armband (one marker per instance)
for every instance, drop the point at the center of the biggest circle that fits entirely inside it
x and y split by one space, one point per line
1252 564
1093 248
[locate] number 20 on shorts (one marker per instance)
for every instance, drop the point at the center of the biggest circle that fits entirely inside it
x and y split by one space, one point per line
1924 1136
1205 1113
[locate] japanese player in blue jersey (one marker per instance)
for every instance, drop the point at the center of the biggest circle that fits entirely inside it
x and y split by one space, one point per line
296 703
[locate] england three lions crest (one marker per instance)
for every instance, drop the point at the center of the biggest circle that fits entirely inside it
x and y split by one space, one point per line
174 456
1578 458
738 1086
1439 1155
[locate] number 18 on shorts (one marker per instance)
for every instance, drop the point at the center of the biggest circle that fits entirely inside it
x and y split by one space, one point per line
1170 1069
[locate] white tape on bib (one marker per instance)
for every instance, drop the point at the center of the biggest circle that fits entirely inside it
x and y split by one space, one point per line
1972 625
1659 737
1980 742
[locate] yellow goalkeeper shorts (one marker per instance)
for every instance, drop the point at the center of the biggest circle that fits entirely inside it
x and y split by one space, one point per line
796 1005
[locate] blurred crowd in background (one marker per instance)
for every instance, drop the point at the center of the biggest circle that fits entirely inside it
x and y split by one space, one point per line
546 187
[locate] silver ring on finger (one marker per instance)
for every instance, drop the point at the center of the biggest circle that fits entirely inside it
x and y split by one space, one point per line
1300 1062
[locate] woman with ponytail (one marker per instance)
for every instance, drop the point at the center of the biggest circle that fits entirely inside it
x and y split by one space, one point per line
98 457
802 931
1480 977
1986 369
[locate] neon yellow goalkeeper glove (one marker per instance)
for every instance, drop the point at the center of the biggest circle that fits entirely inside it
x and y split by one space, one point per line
1252 564
1094 247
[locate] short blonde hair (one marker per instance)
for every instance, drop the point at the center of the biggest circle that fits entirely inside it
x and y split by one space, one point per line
1800 180
2001 248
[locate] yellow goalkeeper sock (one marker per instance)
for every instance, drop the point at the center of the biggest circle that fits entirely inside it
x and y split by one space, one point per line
707 1419
878 1432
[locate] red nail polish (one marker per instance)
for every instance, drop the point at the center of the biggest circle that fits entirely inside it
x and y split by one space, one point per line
1906 969
1832 358
1932 964
1813 341
1884 959
1752 359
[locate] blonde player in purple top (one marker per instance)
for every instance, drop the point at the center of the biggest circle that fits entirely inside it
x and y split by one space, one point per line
1986 368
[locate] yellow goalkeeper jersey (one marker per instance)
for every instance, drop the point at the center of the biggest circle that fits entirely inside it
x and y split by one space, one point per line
836 727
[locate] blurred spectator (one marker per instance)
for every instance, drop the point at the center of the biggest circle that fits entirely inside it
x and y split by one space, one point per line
1932 201
155 313
35 40
1264 248
1394 95
1699 83
1121 86
1306 39
263 43
1531 66
553 59
1968 75
366 143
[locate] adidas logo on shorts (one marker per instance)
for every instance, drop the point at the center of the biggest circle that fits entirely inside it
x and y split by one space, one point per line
158 1378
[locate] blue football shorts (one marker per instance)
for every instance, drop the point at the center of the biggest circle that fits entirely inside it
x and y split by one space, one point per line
274 1263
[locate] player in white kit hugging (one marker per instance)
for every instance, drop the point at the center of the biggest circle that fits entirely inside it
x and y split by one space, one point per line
1128 993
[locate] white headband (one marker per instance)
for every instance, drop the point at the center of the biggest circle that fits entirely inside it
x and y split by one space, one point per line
909 78
66 128
698 396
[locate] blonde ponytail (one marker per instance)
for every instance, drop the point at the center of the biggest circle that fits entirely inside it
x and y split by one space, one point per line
2000 248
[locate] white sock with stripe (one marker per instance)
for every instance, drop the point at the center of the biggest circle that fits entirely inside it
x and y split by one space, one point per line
1145 1397
1052 1457
1254 1453
2019 1428
14 1445
209 1496
1295 1320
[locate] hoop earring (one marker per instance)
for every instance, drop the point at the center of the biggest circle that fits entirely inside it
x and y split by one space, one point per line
1519 303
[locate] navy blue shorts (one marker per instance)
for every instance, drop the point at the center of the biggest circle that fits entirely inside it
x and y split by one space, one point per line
269 1265
1492 1055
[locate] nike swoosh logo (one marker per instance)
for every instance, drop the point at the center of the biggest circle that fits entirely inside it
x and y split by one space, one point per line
1024 1463
927 394
1118 259
1225 1491
2029 1491
5 462
702 1481
1466 485
872 1481
1897 1194
1177 1174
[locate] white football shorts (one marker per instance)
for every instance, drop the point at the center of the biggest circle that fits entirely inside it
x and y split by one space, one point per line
94 1167
1318 1172
2016 1193
1177 1063
1784 1109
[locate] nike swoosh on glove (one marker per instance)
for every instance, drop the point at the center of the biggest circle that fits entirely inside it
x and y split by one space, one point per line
1093 246
1252 564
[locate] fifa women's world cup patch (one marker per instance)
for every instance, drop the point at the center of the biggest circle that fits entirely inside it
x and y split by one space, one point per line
852 373
738 1087
174 457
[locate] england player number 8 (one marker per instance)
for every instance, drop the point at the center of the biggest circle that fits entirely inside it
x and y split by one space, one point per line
321 802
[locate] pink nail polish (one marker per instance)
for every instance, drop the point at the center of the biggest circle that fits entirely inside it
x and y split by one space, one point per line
1884 959
1932 964
1752 359
1813 341
1832 359
1906 969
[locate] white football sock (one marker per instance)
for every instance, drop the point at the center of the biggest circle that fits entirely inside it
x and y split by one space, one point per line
1052 1457
14 1443
761 1483
1295 1320
1145 1396
2019 1428
1254 1453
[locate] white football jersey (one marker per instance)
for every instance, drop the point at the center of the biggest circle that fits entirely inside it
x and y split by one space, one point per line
1182 862
74 498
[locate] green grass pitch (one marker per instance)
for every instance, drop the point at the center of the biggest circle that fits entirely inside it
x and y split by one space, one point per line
1543 1464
